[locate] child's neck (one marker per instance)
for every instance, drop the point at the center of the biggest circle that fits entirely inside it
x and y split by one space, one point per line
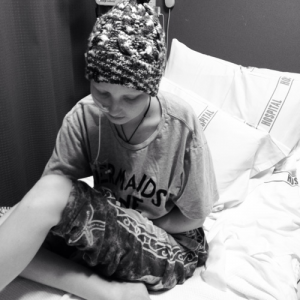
146 128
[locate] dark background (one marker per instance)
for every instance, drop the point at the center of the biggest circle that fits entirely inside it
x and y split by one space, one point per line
259 33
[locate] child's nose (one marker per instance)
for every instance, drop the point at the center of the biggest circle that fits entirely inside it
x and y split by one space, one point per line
114 107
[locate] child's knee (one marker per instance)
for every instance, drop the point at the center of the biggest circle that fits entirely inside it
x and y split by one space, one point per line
49 196
54 182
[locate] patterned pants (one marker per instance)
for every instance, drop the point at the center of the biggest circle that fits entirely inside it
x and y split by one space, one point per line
121 244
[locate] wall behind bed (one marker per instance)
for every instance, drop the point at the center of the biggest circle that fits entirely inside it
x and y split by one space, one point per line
258 33
41 78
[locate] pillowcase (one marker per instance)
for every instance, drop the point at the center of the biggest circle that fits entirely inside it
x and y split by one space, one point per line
268 100
239 151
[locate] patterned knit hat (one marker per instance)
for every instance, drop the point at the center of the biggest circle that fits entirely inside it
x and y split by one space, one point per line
127 47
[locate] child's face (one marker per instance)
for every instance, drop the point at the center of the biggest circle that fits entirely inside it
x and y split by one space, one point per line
119 103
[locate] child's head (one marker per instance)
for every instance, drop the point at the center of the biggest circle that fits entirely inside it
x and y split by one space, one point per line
119 103
127 47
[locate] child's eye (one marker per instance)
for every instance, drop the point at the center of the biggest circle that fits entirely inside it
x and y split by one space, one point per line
129 99
103 94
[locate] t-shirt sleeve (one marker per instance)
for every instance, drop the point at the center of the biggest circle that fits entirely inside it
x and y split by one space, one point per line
199 189
70 155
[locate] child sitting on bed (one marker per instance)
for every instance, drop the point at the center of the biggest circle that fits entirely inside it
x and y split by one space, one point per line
139 228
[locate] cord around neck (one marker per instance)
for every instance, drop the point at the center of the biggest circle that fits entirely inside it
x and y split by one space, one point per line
128 140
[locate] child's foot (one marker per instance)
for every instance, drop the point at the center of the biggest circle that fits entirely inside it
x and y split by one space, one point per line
131 291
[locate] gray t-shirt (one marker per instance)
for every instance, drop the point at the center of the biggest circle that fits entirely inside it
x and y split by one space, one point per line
172 167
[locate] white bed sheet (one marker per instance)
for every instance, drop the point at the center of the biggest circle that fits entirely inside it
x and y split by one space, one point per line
196 287
255 247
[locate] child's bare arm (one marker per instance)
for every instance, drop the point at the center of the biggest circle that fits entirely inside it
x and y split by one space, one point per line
176 222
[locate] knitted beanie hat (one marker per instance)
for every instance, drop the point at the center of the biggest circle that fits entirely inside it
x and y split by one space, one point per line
127 47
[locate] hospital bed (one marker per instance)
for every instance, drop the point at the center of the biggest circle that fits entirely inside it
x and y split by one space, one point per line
250 117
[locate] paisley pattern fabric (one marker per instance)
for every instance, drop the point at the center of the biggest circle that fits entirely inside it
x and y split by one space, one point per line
120 243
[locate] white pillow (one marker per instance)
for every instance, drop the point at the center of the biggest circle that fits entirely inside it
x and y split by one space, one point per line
238 151
265 99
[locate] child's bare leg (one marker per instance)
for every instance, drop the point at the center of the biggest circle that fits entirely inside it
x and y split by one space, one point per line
76 279
7 214
118 290
25 229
